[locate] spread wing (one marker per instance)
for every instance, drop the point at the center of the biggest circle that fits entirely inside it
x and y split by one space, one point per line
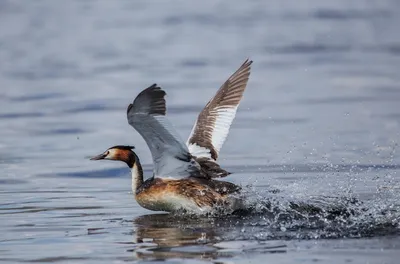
171 156
213 123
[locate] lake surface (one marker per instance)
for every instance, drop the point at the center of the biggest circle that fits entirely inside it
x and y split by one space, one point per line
315 143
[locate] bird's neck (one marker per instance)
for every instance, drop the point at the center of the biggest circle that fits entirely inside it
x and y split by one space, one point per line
136 172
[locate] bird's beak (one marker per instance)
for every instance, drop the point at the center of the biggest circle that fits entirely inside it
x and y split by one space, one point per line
99 157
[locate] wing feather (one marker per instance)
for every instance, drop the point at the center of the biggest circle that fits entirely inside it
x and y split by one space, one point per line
213 123
170 155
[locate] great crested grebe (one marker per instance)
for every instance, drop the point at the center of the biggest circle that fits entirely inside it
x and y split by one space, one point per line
183 176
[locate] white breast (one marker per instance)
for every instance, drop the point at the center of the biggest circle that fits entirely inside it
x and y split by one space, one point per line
172 203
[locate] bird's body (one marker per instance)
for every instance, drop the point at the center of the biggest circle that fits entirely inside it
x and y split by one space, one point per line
184 174
189 194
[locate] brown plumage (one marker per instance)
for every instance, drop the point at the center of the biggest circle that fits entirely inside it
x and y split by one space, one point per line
152 194
210 169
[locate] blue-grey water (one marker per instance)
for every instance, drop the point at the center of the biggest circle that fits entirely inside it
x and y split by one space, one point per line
315 143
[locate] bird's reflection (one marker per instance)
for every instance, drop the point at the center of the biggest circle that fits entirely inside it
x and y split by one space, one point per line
164 236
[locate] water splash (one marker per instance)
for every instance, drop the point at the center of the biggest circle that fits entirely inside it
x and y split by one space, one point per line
274 216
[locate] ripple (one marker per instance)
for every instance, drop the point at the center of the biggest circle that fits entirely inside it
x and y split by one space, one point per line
21 115
393 49
307 48
114 68
57 259
106 173
36 97
334 14
63 131
12 181
193 63
91 107
36 209
338 100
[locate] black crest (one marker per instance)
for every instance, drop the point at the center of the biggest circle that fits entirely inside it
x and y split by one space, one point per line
123 147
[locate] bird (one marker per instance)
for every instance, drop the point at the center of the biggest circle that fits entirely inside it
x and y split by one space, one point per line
185 176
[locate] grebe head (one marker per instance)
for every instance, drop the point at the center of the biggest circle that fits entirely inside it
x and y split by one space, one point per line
122 153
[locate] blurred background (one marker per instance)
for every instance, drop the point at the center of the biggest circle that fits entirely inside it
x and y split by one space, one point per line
321 113
324 84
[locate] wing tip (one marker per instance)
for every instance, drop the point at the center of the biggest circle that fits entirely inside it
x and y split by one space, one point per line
129 108
246 65
248 62
152 99
154 89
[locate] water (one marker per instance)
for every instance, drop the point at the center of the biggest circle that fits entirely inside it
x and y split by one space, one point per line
315 141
